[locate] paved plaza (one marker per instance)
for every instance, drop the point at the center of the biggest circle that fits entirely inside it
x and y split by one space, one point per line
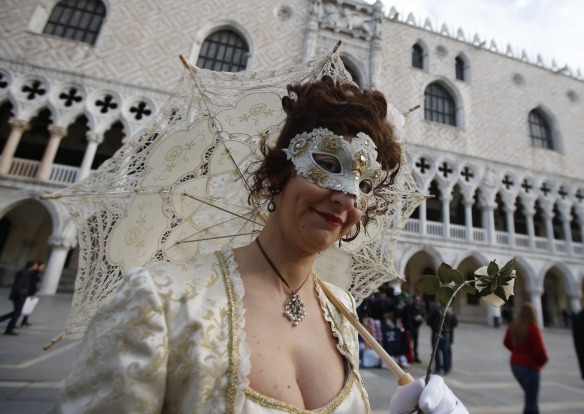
30 378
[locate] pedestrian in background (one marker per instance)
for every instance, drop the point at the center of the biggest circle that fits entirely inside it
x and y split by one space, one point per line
578 333
33 287
413 317
528 354
18 294
444 339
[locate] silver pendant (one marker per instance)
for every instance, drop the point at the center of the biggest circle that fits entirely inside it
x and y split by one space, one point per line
294 309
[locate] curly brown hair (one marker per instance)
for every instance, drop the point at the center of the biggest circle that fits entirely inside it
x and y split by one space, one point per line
344 109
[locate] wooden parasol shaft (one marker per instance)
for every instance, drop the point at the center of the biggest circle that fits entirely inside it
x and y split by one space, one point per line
403 378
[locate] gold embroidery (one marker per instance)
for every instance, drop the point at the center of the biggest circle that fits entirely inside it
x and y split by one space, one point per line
232 345
327 409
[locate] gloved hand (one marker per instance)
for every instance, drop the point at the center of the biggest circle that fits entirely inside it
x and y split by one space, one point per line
434 398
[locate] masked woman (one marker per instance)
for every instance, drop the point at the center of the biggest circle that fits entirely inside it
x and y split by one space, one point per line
249 330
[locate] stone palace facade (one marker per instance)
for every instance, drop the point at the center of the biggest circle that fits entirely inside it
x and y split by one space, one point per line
497 139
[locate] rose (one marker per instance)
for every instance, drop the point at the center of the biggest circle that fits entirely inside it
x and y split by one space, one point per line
492 298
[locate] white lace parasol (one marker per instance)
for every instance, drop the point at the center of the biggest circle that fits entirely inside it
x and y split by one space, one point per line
179 188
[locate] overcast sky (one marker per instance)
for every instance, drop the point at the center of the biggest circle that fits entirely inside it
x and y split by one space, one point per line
552 28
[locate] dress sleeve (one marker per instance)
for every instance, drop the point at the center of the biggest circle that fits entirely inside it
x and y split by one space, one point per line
121 367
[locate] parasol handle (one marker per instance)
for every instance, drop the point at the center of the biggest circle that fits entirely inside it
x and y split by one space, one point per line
403 378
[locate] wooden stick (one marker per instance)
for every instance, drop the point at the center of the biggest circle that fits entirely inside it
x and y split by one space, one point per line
185 61
403 378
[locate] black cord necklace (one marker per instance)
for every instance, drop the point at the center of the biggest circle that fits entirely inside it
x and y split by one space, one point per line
294 307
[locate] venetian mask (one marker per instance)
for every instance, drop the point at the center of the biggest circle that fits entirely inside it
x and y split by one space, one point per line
330 161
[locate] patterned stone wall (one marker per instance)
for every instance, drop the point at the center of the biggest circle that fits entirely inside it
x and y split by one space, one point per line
495 101
141 40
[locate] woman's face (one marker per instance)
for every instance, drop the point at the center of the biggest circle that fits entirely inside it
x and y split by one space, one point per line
312 217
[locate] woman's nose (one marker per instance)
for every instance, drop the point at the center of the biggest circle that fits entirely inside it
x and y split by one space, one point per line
345 200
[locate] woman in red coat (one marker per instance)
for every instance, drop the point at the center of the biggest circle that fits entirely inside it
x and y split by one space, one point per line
528 354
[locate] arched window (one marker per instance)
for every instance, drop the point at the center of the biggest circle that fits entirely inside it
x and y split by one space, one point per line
539 131
418 56
439 105
459 68
79 20
224 51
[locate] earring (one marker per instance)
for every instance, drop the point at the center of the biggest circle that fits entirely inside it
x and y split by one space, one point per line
340 242
271 206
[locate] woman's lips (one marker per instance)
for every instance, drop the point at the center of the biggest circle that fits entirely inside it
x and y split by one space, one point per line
330 218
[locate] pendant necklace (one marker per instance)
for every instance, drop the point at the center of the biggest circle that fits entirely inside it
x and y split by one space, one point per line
294 307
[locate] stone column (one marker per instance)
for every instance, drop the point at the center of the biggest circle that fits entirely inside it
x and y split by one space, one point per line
509 211
311 31
535 296
529 211
57 133
566 219
547 209
468 219
446 215
55 264
489 218
422 211
375 52
18 127
93 140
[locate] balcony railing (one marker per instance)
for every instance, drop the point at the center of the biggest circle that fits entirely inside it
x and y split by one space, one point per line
60 174
502 238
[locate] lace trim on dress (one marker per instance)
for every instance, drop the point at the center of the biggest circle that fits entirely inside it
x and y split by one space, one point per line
328 316
240 344
269 402
342 344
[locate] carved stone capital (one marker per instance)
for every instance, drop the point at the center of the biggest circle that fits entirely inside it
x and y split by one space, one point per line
94 137
60 242
18 124
57 131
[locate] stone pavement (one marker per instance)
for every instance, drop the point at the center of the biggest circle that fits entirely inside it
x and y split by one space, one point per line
30 378
481 376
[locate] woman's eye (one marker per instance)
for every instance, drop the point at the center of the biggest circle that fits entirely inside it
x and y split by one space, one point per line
328 163
366 186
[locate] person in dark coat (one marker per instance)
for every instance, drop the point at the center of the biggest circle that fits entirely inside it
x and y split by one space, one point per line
33 287
413 317
444 352
18 294
578 332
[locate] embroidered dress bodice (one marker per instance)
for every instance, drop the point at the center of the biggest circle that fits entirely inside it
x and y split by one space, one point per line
172 340
349 401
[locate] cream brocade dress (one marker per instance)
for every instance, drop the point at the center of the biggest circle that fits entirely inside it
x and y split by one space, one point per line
171 340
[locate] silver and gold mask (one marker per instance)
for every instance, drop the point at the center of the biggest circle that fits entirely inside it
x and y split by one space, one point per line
330 161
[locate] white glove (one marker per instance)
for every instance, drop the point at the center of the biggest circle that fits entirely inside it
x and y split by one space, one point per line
434 398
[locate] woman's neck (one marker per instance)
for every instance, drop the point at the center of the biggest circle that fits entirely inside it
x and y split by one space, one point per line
291 261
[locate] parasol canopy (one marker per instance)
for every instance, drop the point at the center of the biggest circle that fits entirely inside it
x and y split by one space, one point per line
179 188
